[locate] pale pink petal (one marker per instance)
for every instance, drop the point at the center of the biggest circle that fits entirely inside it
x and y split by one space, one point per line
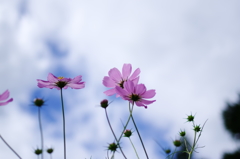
115 75
108 82
42 83
52 78
126 71
110 92
147 102
149 94
76 79
135 81
4 103
135 74
140 89
129 86
76 85
140 104
121 92
5 95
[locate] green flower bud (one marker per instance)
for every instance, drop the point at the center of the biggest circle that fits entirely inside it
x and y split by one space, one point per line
167 151
38 151
177 143
182 133
50 150
197 128
127 133
38 102
112 147
190 118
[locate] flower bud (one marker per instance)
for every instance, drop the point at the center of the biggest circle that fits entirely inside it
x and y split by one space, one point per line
167 151
104 103
127 133
197 128
50 150
182 133
177 143
38 151
190 118
112 147
38 102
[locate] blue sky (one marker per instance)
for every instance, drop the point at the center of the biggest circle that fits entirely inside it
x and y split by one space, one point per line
187 50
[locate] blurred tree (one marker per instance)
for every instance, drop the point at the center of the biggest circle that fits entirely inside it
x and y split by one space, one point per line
231 118
234 155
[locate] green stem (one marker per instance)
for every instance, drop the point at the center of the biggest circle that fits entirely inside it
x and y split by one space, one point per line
193 146
10 147
64 135
134 148
114 134
40 127
138 132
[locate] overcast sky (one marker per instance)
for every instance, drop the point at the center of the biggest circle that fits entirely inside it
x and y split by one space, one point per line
187 50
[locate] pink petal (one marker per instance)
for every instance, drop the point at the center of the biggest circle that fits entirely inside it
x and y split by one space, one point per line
135 81
149 94
76 85
140 104
4 103
108 82
135 74
126 71
147 102
121 92
5 95
110 92
76 79
115 75
52 78
42 83
140 89
129 86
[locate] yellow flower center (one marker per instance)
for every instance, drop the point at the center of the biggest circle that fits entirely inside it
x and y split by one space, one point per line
60 77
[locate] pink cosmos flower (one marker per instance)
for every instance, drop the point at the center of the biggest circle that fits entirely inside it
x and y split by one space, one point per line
116 78
61 82
3 97
136 93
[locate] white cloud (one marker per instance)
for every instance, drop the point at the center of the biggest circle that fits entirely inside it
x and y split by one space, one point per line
187 51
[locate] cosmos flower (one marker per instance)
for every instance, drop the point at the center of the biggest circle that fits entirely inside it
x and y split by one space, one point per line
116 78
136 93
5 96
61 82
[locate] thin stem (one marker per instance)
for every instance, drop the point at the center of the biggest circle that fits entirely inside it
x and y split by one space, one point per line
114 134
40 127
10 147
134 148
193 146
64 136
139 137
131 110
